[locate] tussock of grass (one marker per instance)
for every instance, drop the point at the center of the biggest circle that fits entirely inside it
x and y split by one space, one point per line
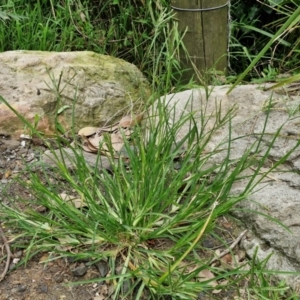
160 192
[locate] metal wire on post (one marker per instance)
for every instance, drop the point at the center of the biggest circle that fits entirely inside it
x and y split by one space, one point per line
200 9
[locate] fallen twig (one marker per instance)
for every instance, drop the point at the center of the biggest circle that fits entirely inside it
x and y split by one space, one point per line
8 252
230 248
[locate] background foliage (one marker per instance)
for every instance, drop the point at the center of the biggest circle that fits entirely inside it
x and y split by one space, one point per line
142 32
137 31
253 24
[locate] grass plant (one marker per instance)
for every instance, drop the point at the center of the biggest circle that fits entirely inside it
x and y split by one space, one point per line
146 216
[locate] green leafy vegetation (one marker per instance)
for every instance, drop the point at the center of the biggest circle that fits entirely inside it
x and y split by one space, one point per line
144 33
294 18
253 25
147 216
139 32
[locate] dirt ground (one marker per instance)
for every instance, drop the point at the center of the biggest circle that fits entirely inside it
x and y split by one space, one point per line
36 280
53 280
46 281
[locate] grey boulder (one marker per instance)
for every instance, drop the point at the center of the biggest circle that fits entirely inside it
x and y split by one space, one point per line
45 85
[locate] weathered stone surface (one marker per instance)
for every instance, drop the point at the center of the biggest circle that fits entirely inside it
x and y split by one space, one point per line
277 196
68 156
104 88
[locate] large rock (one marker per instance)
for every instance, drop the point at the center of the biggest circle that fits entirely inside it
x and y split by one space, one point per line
99 87
277 196
69 156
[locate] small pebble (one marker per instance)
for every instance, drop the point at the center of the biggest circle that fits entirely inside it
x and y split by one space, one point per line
30 157
208 242
16 260
25 136
43 288
19 289
102 268
126 286
80 270
70 259
58 278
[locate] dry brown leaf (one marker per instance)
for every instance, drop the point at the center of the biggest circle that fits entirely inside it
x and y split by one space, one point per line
77 202
205 275
100 297
66 242
87 131
217 253
64 196
93 138
227 259
41 209
187 267
227 262
117 141
111 128
88 144
101 142
127 133
96 141
126 122
45 258
139 118
7 174
87 149
241 255
130 121
217 291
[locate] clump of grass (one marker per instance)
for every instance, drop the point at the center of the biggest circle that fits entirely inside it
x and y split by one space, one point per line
146 216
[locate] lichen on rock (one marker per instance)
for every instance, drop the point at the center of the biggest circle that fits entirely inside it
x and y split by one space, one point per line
99 88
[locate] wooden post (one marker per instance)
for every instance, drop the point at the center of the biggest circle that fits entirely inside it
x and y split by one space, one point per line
206 38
